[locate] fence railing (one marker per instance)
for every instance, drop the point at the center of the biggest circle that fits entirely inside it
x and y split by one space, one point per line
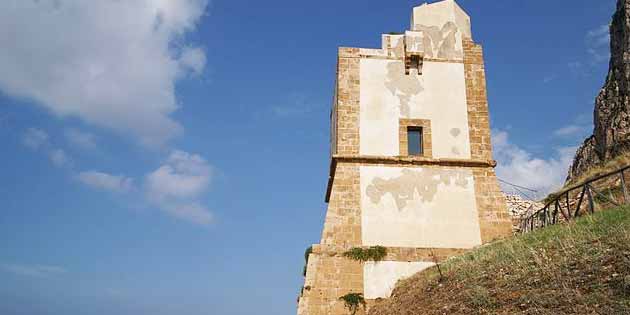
579 200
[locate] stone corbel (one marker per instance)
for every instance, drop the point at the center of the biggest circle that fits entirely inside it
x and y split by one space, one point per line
413 61
414 52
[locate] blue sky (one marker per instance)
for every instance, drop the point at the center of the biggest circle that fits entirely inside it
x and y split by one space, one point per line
171 157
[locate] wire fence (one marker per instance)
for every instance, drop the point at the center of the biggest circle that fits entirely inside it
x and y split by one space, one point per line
518 190
601 192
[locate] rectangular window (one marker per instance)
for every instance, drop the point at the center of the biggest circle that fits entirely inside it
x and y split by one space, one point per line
414 140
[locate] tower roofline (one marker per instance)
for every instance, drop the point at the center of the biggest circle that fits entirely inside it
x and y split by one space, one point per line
439 13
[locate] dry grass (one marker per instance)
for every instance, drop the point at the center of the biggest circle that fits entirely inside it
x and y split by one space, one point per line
578 268
612 165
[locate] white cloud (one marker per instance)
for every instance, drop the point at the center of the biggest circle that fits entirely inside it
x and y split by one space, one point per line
108 182
39 140
598 43
113 64
35 138
183 176
80 138
192 212
177 186
520 167
38 271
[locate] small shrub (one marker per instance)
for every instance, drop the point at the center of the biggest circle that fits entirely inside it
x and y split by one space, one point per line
353 301
480 297
375 253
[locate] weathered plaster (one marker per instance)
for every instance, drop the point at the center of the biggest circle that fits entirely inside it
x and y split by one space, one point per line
380 278
418 207
388 94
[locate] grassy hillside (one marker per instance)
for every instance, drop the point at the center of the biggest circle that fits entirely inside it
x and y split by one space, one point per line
581 268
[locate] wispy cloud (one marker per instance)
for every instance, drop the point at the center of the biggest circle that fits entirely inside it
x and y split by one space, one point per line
598 43
521 167
107 182
35 138
572 131
549 78
38 140
59 158
177 185
39 271
578 69
581 127
193 60
81 139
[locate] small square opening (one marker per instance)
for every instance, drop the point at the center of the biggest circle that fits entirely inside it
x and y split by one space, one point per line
414 141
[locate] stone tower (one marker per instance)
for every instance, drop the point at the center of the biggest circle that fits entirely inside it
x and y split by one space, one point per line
411 167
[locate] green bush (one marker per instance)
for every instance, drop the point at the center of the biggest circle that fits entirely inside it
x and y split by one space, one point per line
353 301
375 253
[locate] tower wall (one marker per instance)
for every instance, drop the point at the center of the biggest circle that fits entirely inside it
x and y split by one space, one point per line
441 203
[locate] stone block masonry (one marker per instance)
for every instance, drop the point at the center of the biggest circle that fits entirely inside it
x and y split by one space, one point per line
347 107
476 96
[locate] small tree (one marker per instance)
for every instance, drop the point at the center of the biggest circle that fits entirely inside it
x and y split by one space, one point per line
437 264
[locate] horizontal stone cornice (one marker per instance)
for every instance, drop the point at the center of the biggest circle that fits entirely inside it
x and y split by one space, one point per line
411 160
401 161
402 254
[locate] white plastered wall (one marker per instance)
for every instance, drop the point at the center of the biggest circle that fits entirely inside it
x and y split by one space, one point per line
388 94
418 207
379 279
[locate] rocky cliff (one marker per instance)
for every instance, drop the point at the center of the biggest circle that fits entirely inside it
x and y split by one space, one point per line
611 136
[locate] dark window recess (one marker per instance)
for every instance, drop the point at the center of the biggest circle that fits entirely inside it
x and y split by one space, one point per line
414 141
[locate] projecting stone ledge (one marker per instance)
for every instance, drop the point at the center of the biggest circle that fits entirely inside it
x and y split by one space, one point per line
413 160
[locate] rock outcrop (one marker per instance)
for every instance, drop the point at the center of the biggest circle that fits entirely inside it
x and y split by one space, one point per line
611 136
519 207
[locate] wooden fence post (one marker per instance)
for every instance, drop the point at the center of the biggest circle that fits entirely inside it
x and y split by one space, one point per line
626 199
577 210
591 203
568 216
